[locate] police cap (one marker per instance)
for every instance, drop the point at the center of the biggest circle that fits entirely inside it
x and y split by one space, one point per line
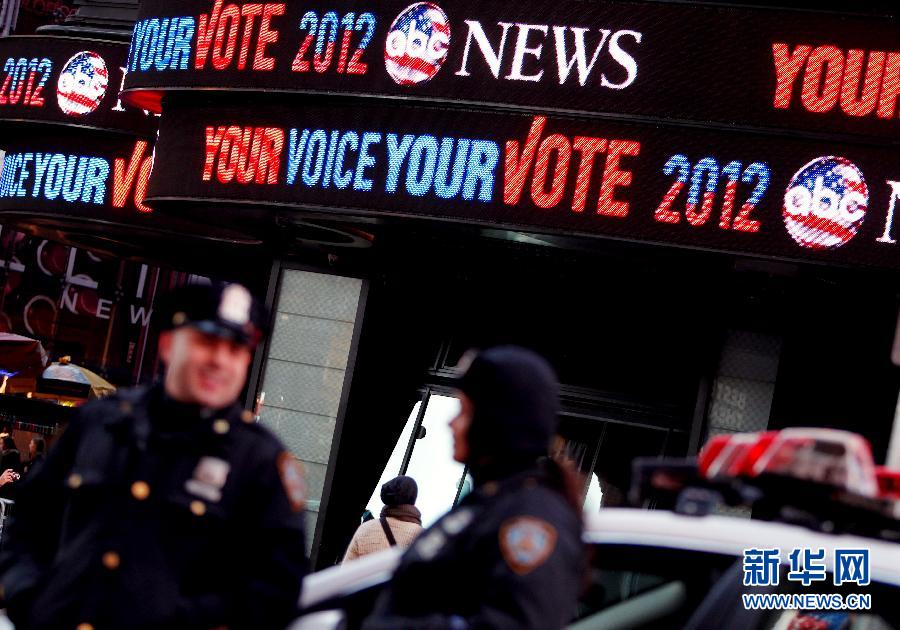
225 310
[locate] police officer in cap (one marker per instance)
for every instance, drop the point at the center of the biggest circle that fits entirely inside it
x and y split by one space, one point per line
165 506
510 554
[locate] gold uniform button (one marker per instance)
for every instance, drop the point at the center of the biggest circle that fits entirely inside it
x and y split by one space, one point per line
221 427
140 490
84 626
198 508
111 560
75 481
247 416
125 407
178 319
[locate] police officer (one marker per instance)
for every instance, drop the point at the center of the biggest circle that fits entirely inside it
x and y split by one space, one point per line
510 554
165 506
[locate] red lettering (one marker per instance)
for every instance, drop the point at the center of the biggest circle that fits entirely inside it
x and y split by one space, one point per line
227 167
541 197
205 29
787 68
589 148
244 157
249 12
214 137
124 178
267 37
856 100
270 159
820 96
890 87
140 191
517 167
613 178
224 48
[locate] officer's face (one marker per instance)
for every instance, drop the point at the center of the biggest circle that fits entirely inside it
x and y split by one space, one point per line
460 428
203 369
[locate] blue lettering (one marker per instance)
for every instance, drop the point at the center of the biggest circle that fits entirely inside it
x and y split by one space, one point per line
396 155
162 44
151 41
137 40
295 154
95 181
41 160
163 53
361 182
343 178
55 176
24 173
419 177
482 164
184 36
329 163
319 139
5 176
444 189
73 183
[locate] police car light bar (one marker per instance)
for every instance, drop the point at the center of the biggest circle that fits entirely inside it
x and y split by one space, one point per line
821 478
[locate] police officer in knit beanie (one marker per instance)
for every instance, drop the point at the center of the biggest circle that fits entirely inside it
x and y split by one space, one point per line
516 405
512 547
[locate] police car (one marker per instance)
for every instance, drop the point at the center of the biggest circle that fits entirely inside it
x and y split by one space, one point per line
826 556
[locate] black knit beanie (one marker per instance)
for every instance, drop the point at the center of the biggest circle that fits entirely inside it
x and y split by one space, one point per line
400 490
516 404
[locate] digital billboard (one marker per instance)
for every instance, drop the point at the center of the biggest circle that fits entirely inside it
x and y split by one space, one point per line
67 81
646 61
743 192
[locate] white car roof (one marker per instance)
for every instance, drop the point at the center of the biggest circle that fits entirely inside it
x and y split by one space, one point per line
727 535
731 536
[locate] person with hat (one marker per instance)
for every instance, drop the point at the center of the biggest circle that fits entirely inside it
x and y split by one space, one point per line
509 555
399 524
165 506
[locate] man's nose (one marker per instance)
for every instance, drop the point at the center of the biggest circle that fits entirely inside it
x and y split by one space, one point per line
222 351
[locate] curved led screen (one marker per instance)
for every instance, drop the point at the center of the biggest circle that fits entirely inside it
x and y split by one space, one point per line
67 81
742 192
793 70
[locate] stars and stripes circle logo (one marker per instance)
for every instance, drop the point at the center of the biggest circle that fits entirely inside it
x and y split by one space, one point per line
825 203
417 43
82 84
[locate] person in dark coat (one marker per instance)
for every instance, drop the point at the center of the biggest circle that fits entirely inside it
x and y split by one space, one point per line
510 554
36 452
10 459
165 506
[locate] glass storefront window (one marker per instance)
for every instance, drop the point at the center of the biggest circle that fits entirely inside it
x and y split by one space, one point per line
305 371
432 465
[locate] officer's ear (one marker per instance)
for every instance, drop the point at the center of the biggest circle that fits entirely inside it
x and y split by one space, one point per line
165 346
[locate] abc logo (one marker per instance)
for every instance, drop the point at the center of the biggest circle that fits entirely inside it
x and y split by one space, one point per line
826 203
82 84
417 43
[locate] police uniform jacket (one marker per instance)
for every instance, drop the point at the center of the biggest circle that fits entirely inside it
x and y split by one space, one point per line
508 556
147 513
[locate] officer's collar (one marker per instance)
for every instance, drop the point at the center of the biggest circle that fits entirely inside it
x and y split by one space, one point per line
501 469
172 416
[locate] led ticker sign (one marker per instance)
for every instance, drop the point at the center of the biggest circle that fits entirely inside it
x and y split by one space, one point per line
752 66
77 182
67 81
733 192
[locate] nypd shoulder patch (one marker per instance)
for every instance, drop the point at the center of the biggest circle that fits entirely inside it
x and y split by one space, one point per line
526 542
292 478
